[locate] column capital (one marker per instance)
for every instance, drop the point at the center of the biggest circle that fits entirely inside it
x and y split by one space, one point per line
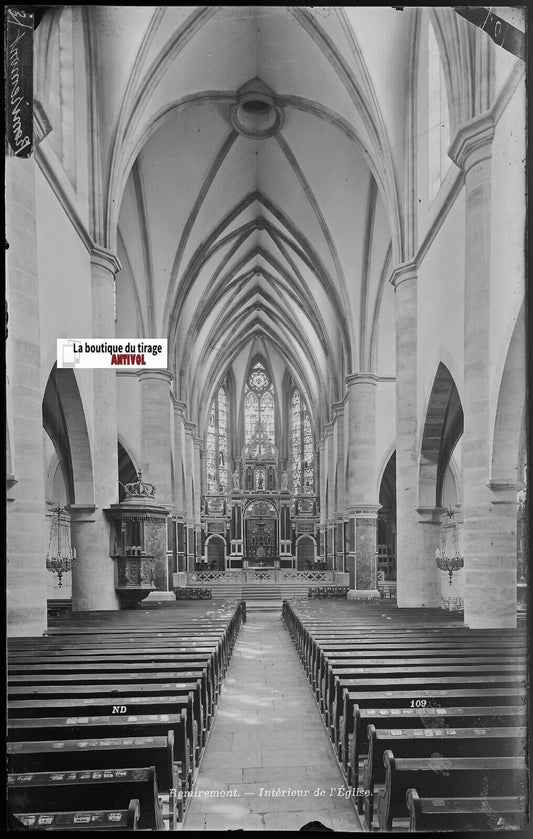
154 373
179 407
103 258
404 271
473 142
82 512
190 427
198 441
361 379
430 515
503 492
338 408
327 428
367 511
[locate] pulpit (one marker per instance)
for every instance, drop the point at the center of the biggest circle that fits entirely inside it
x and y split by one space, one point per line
138 544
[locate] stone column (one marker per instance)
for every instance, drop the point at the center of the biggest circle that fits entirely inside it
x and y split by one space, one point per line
330 519
179 455
156 431
363 504
197 444
155 459
93 577
285 532
411 563
321 489
489 544
190 490
198 484
236 532
338 409
189 469
427 541
316 466
330 462
27 531
203 469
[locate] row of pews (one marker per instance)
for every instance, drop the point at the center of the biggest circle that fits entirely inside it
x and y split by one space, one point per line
109 712
193 593
427 717
328 591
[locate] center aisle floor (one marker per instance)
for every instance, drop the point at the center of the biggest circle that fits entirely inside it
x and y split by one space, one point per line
268 737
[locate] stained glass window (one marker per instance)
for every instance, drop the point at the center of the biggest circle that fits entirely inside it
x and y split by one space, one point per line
217 443
302 445
259 404
251 415
258 379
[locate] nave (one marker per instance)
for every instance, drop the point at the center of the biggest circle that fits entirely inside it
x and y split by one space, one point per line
198 718
268 744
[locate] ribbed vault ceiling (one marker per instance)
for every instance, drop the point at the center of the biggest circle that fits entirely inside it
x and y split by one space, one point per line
231 244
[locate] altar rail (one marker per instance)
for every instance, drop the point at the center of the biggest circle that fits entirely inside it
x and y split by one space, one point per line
264 575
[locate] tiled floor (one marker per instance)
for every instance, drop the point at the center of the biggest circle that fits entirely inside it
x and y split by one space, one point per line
268 738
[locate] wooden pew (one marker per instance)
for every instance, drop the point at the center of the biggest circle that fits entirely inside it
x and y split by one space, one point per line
190 593
131 663
87 789
515 697
105 726
424 685
429 633
101 656
56 607
474 742
475 716
76 676
376 657
483 813
120 663
323 653
470 776
80 648
398 654
132 643
83 820
319 652
353 665
427 669
22 711
105 753
117 692
125 752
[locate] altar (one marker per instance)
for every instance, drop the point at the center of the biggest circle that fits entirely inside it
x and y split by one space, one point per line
259 527
256 564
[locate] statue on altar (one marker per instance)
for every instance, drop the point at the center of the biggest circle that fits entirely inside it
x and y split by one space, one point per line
235 477
285 481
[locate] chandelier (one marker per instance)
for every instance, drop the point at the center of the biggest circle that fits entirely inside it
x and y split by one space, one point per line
444 561
60 555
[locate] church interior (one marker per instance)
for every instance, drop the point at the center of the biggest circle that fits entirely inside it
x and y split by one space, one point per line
322 211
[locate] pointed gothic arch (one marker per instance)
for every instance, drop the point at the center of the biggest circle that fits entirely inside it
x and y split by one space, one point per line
64 421
509 423
442 429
